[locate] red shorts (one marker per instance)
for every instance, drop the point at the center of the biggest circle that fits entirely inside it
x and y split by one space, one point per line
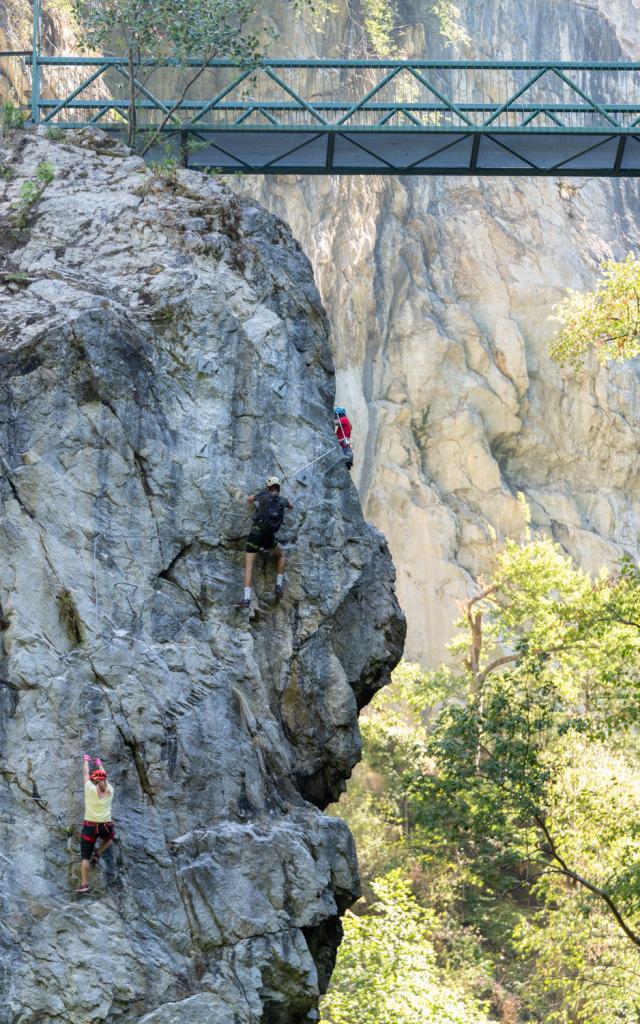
92 830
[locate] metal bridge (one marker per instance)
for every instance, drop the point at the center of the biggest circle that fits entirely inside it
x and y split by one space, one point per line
349 116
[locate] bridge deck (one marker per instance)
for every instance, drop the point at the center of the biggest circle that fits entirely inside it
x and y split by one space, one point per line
353 117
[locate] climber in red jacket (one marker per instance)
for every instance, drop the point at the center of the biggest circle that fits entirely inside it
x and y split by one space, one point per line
342 428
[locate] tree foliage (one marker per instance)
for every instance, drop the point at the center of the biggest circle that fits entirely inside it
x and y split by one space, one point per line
147 30
552 670
506 787
387 973
604 321
448 17
377 22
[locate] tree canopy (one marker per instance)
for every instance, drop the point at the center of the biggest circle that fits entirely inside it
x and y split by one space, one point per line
604 321
387 973
504 789
145 31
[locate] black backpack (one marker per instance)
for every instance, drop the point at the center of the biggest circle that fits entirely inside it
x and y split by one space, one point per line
272 513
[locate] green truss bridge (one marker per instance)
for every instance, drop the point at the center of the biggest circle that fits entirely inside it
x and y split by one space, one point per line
349 116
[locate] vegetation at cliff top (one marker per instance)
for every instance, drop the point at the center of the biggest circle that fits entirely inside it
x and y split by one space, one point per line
147 29
604 321
378 20
497 813
239 30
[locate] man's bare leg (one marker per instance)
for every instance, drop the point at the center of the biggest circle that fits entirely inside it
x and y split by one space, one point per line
249 562
84 872
105 846
281 559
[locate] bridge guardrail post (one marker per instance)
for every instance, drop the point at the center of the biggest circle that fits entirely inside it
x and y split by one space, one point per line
35 88
35 64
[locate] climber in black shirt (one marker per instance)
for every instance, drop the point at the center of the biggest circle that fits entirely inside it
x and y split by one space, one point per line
270 509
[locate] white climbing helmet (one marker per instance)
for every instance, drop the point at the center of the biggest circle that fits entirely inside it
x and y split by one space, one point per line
273 481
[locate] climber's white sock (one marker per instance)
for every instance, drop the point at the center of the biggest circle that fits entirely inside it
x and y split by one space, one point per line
247 593
279 579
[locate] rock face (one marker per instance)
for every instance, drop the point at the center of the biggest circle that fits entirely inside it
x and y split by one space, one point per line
58 34
163 350
439 293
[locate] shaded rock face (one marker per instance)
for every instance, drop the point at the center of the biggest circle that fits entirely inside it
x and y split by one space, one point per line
163 350
439 292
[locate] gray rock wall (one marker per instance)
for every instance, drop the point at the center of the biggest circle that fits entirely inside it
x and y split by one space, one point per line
163 350
439 293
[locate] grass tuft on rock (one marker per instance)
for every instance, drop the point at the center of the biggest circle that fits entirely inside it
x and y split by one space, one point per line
70 617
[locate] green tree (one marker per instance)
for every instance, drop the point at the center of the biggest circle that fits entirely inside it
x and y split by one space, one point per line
387 972
551 659
507 788
577 967
535 776
376 22
382 808
604 321
145 30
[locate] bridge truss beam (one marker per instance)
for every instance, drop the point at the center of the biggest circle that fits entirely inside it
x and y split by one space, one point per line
354 116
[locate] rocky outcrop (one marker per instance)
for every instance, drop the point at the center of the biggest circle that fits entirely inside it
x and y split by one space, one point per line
163 349
439 293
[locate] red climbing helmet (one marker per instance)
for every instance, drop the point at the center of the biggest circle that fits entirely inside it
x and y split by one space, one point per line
98 774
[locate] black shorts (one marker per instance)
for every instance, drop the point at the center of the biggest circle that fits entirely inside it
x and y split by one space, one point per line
260 538
92 830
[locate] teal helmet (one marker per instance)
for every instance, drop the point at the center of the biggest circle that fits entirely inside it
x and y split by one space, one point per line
339 411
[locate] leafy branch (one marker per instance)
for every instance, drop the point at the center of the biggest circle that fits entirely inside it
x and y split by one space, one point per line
595 890
605 321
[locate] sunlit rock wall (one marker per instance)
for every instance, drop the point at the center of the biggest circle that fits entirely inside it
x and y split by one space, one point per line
439 293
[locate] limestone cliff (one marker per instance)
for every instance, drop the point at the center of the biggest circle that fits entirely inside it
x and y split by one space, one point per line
439 293
58 32
163 349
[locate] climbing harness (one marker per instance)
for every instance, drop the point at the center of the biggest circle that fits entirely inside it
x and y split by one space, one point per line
336 462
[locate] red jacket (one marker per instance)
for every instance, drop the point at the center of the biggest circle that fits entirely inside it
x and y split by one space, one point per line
343 431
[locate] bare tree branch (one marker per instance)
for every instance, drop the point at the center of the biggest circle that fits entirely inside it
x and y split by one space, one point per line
632 935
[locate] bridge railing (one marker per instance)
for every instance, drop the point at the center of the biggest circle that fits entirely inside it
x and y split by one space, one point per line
327 95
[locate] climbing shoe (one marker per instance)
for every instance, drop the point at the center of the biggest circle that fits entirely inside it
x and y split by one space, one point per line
279 591
245 603
82 889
